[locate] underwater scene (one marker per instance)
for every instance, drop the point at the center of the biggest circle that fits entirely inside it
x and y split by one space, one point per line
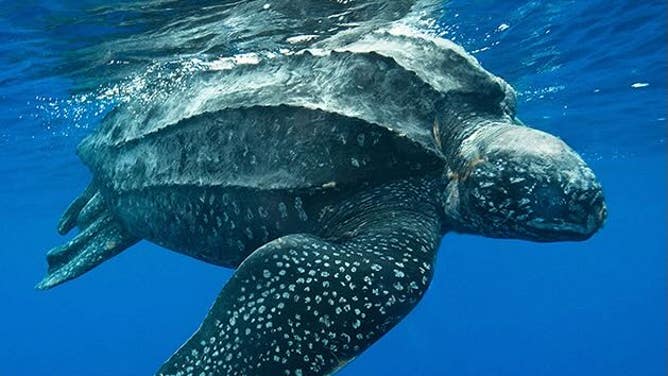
320 187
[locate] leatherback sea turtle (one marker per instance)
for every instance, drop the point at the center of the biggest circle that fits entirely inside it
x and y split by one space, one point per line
327 178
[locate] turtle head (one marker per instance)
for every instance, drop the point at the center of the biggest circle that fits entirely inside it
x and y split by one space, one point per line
516 182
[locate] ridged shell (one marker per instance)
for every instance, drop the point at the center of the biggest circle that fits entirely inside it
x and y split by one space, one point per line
338 113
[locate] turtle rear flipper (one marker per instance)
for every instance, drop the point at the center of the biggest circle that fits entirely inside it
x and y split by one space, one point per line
69 218
100 239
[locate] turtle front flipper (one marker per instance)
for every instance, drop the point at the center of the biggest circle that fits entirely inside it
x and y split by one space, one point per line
302 305
100 239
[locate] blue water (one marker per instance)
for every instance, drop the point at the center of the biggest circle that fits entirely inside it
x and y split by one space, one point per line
592 72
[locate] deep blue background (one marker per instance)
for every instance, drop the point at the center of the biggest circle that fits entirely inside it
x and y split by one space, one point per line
495 307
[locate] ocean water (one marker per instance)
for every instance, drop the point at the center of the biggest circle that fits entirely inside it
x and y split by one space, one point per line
591 72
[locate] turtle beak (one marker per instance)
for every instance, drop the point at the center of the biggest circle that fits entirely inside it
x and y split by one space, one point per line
566 212
567 201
